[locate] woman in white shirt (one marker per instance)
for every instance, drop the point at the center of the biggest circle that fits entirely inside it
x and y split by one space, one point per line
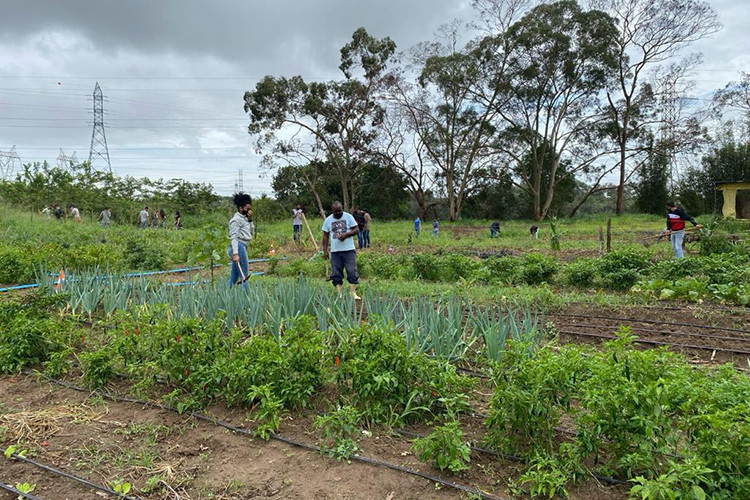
240 234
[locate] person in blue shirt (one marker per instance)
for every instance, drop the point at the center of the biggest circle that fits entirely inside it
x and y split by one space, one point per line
417 226
338 230
435 228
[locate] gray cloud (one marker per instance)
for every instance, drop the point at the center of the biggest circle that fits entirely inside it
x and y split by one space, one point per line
174 71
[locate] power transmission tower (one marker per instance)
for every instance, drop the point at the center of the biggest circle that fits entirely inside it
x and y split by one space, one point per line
98 139
238 184
65 161
9 162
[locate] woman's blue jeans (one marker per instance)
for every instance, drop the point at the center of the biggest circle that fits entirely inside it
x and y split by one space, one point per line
234 275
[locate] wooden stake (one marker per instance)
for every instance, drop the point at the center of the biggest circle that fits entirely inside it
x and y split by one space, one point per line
309 231
609 235
601 241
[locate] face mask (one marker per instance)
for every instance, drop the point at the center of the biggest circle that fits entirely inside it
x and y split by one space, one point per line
338 216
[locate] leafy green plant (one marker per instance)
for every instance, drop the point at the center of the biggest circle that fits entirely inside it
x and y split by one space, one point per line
25 488
206 249
389 383
267 411
537 268
683 481
445 448
121 487
97 366
581 272
339 430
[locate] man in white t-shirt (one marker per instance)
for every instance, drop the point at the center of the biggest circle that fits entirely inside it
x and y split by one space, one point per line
143 218
339 228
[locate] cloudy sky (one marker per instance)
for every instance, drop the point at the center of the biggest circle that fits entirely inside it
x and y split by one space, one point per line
174 71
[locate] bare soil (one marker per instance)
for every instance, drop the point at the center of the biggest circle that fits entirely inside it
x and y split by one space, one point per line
697 327
180 457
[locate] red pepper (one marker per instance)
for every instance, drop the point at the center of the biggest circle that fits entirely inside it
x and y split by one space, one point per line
83 338
186 372
434 394
337 360
136 331
178 337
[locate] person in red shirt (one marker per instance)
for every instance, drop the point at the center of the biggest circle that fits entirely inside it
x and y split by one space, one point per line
676 218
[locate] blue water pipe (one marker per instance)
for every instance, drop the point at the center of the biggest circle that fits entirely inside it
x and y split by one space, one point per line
137 275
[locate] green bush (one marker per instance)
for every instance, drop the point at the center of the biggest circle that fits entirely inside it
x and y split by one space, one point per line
620 260
30 333
503 270
623 279
388 383
16 265
536 269
581 272
143 254
445 448
428 267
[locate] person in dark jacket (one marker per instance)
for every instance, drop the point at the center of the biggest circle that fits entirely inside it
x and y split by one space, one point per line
495 229
676 218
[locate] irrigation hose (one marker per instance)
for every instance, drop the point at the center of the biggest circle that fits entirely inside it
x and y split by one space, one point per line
514 458
64 474
21 494
279 437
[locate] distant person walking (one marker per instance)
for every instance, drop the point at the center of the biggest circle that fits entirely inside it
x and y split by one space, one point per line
338 229
105 216
359 217
177 220
162 219
58 212
143 217
676 218
154 219
435 228
417 225
366 232
75 213
240 234
495 229
297 215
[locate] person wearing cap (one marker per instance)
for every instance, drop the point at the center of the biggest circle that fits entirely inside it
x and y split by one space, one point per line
240 234
676 218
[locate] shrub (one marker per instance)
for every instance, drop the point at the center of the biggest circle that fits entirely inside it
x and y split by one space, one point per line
581 272
502 269
620 270
16 265
340 429
142 254
29 333
445 448
388 383
620 260
536 269
623 279
428 267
